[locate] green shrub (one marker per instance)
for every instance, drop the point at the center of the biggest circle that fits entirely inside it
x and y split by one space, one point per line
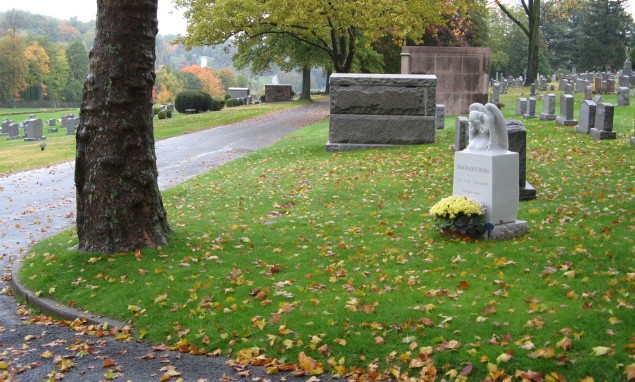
168 113
155 109
233 102
191 99
227 96
208 103
162 115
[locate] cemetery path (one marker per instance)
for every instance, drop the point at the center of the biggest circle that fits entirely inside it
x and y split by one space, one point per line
40 203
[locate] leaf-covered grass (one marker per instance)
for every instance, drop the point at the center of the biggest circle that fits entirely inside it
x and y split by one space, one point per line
17 155
292 252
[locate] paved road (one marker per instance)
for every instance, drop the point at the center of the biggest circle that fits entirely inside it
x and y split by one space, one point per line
40 203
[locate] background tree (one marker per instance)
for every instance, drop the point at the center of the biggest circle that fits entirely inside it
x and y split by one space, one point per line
58 76
13 66
210 83
77 58
531 28
37 61
333 27
602 35
119 206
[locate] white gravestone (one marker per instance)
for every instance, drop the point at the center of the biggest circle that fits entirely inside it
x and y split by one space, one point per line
487 171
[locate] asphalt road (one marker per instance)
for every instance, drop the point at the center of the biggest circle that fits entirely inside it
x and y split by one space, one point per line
40 203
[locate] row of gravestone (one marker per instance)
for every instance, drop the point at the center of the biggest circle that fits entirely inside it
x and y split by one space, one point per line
33 127
596 116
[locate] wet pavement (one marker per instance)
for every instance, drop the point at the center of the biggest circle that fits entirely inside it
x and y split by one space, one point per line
40 203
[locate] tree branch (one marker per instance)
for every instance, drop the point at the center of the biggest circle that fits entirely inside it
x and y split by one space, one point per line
512 18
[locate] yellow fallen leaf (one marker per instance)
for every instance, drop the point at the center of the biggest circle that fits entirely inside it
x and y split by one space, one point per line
602 350
630 372
505 357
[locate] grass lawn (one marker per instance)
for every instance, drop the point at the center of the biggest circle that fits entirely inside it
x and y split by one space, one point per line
330 262
17 155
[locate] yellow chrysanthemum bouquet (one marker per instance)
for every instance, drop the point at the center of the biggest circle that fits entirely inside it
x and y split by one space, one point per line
459 214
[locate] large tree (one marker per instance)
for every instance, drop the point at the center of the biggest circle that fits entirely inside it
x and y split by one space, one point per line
119 206
333 27
531 28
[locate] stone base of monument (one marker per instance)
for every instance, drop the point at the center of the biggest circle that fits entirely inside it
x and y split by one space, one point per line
527 193
333 147
507 231
563 121
490 177
34 139
602 134
581 129
547 117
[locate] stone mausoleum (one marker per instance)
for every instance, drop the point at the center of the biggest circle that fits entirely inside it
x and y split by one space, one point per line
462 73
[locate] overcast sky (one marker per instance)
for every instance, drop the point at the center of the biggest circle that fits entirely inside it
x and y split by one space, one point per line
170 19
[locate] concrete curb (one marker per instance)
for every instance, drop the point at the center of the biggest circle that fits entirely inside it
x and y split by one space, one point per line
51 307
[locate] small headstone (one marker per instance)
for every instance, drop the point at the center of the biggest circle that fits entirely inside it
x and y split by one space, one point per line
517 138
562 84
566 111
32 116
170 107
610 86
531 109
587 117
72 125
568 88
588 94
532 90
52 122
33 130
603 122
549 109
521 106
495 97
461 135
13 131
439 117
623 96
5 127
66 118
597 99
598 85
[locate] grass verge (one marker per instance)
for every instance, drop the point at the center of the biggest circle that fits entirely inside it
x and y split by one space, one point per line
330 262
17 155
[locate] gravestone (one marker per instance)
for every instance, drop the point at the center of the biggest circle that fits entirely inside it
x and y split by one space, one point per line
587 117
633 138
598 85
597 99
33 130
532 90
603 128
5 127
65 118
549 108
517 138
568 88
375 110
13 131
588 94
461 137
495 96
170 107
624 81
278 93
562 84
565 118
531 109
623 96
439 117
579 85
488 172
52 122
521 106
610 86
72 125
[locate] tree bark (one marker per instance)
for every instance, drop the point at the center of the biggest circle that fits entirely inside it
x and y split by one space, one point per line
306 84
119 205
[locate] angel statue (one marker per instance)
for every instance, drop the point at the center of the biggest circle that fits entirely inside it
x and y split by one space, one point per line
487 128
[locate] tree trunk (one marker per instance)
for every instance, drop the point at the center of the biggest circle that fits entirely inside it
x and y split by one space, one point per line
534 41
327 88
119 206
306 84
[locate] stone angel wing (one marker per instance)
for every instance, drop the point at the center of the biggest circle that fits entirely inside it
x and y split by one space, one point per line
498 130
